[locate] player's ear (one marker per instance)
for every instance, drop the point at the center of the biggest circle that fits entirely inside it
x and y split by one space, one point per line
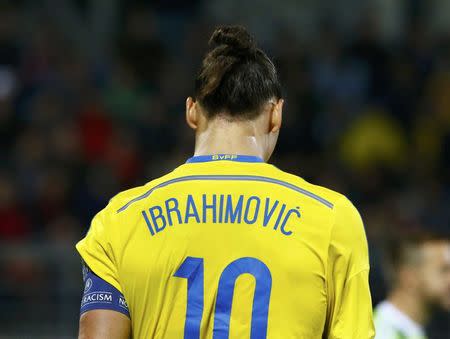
276 116
192 113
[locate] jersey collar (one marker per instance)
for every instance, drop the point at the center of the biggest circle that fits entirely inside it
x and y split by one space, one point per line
228 157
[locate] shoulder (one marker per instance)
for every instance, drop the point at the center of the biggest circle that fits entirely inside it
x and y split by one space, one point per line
326 196
346 225
122 200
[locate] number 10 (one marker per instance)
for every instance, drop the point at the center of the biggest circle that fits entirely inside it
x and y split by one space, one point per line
192 269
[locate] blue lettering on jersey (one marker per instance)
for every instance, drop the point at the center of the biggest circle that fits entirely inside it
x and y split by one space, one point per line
268 214
172 209
280 214
149 225
155 217
221 200
190 205
286 218
233 215
211 206
247 209
223 208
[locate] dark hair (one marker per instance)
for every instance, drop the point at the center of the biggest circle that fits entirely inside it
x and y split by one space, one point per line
236 77
403 249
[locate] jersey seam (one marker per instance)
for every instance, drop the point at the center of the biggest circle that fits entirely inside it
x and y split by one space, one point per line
359 272
110 254
333 224
205 177
90 264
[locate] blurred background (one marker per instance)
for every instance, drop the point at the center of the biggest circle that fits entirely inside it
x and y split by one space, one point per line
92 97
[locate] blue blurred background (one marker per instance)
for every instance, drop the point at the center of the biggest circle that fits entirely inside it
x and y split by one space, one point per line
92 97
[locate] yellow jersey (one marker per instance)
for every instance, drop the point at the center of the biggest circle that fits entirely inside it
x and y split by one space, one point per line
228 246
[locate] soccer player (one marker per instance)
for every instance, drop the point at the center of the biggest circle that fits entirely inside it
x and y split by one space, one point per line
420 277
227 245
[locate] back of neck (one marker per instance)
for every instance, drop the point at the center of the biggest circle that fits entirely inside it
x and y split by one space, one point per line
229 138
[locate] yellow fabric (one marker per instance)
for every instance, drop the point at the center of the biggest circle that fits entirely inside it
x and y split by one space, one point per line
319 271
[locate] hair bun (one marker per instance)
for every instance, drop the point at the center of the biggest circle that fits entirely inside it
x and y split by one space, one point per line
236 37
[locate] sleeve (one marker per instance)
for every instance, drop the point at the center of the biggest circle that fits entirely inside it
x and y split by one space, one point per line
349 313
99 294
96 250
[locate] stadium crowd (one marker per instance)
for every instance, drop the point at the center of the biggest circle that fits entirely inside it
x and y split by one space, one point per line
367 117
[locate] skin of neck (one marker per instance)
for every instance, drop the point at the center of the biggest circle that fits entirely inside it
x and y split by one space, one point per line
222 134
410 303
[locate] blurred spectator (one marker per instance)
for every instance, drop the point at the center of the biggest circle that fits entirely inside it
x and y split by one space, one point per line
420 282
374 140
15 224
